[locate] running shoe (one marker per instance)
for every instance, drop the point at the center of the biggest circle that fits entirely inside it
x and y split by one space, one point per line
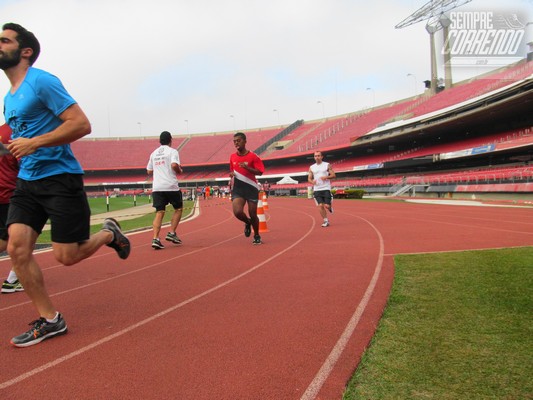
120 243
325 224
330 208
156 244
41 330
172 237
247 229
12 287
257 240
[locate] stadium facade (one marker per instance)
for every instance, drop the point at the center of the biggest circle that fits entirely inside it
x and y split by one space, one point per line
474 139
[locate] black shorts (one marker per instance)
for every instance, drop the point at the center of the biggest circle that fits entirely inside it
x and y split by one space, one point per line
161 199
245 191
60 198
3 221
322 196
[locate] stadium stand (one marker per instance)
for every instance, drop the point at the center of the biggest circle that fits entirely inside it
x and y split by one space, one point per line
476 136
341 131
277 148
476 87
200 149
116 154
254 139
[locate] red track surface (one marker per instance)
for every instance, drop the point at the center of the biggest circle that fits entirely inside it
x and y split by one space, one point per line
218 318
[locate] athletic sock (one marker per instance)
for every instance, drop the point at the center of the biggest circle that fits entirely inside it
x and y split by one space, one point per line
53 320
12 277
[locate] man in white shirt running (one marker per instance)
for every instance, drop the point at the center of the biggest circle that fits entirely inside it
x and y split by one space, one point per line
164 164
319 176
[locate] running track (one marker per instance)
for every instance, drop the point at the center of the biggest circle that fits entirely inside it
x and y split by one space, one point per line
218 318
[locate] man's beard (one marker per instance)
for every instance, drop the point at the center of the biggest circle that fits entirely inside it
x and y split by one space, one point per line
10 60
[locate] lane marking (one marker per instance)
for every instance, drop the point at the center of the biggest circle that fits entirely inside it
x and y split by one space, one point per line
325 371
131 271
122 332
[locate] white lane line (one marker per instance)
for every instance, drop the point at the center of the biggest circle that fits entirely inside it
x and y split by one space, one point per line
129 272
130 328
324 372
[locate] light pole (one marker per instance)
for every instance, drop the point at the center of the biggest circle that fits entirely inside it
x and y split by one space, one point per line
414 82
187 124
234 123
323 112
140 128
276 111
431 29
373 96
445 23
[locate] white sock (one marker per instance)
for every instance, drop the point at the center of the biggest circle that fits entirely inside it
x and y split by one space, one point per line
53 320
12 277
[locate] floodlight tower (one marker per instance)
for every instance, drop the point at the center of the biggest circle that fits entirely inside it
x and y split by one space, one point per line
433 12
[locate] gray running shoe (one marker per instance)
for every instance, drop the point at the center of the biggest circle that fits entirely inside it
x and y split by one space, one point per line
120 243
172 237
156 244
41 330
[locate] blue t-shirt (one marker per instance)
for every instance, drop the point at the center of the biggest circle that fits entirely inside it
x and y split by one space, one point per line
34 110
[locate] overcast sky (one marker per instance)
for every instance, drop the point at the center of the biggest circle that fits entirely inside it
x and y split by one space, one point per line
138 67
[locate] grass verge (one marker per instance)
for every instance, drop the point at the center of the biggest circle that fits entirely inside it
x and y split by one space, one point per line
99 204
457 326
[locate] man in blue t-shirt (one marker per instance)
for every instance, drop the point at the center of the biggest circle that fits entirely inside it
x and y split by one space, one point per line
44 120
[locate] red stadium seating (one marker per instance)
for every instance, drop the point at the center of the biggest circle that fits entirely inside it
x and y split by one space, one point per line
474 88
212 151
111 154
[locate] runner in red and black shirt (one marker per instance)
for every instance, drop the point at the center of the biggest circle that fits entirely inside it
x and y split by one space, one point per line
244 166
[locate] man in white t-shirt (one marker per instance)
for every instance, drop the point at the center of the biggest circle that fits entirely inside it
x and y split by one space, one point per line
319 176
164 164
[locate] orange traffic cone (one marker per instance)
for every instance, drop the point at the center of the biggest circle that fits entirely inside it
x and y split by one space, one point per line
261 215
265 201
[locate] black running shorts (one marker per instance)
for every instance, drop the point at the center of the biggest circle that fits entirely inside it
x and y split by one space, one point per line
161 199
322 196
245 191
3 218
60 198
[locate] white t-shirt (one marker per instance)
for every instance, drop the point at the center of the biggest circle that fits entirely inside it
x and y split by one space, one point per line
320 171
161 163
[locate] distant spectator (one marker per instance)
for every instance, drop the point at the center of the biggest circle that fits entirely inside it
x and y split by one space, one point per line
266 188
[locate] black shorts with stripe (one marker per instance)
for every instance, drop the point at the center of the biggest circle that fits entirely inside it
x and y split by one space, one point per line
245 191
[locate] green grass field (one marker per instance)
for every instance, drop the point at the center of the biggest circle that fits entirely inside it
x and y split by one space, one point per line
99 204
457 326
